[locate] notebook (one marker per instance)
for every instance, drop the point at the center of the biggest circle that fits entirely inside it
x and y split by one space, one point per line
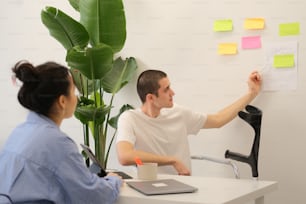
94 159
160 187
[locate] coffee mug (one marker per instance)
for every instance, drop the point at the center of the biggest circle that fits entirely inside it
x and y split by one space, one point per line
147 171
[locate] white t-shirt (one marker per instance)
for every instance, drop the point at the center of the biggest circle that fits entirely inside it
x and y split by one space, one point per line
165 135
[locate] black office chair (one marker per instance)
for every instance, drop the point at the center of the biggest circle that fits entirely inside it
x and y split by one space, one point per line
253 117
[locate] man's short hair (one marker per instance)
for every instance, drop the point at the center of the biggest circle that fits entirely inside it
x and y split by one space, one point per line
148 83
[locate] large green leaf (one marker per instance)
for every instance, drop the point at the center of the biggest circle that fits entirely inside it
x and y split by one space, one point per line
93 63
65 29
121 73
78 79
114 120
87 114
84 101
83 84
75 4
105 22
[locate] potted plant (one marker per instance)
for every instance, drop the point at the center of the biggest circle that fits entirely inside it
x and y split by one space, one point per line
91 45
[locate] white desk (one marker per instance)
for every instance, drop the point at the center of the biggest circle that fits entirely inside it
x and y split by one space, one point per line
211 191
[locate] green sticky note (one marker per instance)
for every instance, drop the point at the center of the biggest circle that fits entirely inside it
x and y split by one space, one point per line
289 29
223 25
283 61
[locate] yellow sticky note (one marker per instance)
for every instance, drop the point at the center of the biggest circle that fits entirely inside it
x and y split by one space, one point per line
289 29
254 23
283 61
227 48
223 25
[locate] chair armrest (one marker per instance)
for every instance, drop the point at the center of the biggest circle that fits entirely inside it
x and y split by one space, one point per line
220 161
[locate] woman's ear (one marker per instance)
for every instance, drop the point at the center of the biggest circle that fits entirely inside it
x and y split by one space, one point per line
61 102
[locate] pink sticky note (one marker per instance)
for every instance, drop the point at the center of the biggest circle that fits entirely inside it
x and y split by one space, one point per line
251 42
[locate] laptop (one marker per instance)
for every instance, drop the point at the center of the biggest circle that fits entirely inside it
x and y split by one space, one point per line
95 160
160 187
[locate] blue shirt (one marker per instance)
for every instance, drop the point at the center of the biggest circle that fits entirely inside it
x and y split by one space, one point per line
41 163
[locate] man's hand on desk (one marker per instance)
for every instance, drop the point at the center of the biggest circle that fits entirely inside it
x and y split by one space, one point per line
181 168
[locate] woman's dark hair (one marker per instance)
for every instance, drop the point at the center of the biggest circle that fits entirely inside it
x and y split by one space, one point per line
147 83
42 85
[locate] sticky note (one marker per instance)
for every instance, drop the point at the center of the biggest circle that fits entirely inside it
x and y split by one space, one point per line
227 48
254 23
223 25
251 42
283 61
289 29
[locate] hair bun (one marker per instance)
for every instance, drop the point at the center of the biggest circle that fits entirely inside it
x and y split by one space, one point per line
25 72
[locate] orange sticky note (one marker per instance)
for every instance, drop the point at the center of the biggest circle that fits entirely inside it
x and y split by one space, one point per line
254 23
227 48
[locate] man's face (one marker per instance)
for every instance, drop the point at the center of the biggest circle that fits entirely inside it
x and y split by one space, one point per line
165 94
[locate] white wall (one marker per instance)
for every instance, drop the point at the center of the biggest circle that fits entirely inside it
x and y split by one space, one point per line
176 36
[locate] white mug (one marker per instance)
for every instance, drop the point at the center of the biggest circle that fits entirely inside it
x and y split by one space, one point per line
147 171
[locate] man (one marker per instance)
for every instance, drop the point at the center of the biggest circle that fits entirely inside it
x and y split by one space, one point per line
158 130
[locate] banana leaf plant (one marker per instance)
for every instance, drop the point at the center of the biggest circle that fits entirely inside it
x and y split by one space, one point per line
91 44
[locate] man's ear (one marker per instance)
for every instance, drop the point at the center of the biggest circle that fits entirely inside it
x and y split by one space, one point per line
150 97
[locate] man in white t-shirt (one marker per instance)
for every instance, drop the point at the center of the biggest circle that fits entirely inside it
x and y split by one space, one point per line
158 130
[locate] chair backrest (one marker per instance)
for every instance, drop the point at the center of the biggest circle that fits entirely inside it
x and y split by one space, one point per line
5 199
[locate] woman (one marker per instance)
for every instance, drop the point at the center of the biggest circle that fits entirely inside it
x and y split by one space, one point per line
40 163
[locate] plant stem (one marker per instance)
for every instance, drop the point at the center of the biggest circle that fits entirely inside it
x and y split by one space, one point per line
109 147
85 126
108 114
97 142
86 140
105 130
